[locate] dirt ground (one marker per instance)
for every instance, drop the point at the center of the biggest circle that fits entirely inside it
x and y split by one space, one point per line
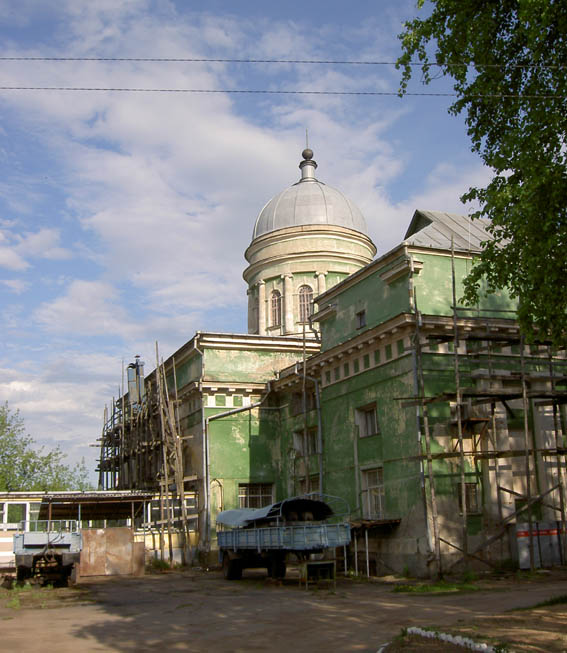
200 611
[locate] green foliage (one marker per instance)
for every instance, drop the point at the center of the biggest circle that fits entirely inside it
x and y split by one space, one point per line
25 467
440 587
506 61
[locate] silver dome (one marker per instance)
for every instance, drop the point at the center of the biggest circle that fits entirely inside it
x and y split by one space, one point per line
309 202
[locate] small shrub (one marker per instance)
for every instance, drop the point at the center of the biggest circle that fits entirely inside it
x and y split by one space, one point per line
159 565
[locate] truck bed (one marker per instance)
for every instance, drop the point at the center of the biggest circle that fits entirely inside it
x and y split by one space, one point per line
301 537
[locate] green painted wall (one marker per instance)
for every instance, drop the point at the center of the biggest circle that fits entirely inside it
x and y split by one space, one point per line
243 366
434 288
380 300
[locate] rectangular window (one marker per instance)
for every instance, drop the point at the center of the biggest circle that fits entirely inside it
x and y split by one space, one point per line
255 495
346 369
388 352
313 484
471 497
360 319
337 371
327 377
376 357
366 361
306 445
400 345
17 512
237 400
373 493
367 420
356 366
220 400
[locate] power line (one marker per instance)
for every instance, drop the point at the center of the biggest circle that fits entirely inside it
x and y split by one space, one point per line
330 62
271 92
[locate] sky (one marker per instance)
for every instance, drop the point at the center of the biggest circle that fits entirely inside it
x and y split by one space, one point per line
124 216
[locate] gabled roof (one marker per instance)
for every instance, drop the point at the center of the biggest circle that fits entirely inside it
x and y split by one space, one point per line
435 229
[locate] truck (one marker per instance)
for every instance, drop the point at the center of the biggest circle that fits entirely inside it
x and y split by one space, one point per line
267 537
47 551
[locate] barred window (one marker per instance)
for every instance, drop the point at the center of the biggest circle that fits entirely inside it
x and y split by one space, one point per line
276 308
305 299
255 495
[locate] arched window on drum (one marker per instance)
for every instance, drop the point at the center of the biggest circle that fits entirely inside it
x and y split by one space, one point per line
305 300
276 308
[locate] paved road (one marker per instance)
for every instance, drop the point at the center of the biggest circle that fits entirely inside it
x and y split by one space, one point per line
198 611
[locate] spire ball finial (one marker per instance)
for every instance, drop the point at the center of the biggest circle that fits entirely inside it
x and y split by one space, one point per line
307 154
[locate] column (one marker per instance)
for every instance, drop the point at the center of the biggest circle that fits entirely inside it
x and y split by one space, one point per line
289 326
261 308
321 283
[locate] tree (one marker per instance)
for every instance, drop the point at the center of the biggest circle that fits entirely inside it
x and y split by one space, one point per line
507 60
23 467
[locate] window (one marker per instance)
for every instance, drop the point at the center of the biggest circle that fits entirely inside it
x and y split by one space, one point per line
376 356
276 306
311 443
373 493
360 319
16 513
327 377
305 299
255 495
367 421
346 369
297 402
400 346
313 484
388 352
471 497
366 361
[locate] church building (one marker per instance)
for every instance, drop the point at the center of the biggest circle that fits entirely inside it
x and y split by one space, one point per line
441 432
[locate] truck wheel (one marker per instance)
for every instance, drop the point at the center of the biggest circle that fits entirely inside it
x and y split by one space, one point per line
232 569
277 567
23 574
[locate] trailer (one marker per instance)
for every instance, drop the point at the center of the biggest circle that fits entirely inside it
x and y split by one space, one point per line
266 537
47 551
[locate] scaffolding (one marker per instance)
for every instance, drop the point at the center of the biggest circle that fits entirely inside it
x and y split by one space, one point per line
476 434
141 448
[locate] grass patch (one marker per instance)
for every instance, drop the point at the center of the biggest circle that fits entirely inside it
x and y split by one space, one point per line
555 600
441 587
33 596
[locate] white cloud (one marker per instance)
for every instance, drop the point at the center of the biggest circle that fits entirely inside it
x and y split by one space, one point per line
87 308
17 286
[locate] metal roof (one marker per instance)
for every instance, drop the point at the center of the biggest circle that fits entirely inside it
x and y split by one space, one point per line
435 229
92 505
309 202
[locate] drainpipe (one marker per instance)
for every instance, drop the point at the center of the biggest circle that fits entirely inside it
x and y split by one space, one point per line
205 445
206 421
319 426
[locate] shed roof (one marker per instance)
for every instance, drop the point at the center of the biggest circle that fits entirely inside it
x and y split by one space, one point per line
435 229
92 505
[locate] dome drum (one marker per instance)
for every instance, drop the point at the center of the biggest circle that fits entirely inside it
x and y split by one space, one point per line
306 237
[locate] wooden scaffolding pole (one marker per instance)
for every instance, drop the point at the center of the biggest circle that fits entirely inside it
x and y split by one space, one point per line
427 435
165 457
527 451
458 408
